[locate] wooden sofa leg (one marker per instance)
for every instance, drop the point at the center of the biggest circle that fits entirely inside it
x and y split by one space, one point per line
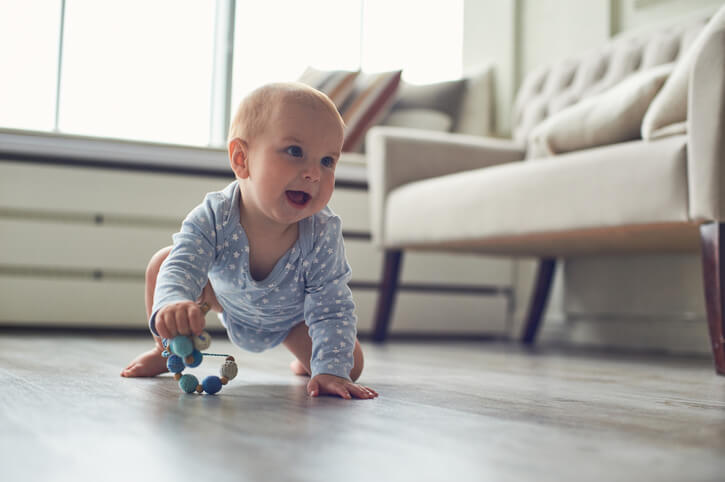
539 298
712 237
386 297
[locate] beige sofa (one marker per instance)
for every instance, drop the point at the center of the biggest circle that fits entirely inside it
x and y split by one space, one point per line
577 177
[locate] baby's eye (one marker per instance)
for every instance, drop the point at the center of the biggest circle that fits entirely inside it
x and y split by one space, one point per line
295 151
327 161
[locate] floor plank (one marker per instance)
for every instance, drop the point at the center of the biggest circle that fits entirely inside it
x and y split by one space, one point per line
447 411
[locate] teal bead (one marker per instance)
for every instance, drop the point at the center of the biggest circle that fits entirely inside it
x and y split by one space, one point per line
182 346
211 384
188 383
197 359
175 364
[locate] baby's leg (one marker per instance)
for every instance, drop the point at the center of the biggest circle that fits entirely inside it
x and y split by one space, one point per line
298 342
151 363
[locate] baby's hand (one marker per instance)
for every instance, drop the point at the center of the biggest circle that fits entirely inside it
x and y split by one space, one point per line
182 318
331 385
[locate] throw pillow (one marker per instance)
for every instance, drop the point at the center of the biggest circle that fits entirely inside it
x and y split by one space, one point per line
613 116
370 101
428 119
667 114
337 84
444 96
476 106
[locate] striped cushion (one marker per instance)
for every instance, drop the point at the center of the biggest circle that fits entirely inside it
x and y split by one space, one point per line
337 84
371 100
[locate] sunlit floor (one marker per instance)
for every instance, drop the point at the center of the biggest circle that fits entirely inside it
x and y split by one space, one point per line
447 412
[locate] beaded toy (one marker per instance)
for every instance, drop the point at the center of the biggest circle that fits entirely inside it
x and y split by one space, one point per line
186 351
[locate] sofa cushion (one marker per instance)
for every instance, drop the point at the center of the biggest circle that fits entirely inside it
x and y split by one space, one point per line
427 119
477 104
592 189
427 106
444 97
608 118
337 84
667 115
624 59
370 101
662 48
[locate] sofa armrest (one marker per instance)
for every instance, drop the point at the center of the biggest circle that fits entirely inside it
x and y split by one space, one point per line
705 126
398 156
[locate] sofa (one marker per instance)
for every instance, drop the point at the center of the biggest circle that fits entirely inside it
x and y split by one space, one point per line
616 151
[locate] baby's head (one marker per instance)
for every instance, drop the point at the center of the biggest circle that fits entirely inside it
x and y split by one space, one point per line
284 143
257 108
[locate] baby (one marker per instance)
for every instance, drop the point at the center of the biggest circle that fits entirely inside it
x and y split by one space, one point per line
266 252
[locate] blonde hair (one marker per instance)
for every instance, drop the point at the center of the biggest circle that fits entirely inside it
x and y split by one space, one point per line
255 109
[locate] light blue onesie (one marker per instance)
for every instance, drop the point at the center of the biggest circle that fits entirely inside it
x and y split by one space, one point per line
309 283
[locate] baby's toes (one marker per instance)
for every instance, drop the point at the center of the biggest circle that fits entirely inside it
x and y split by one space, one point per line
129 370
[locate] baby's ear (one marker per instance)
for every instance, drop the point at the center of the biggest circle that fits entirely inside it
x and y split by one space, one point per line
238 155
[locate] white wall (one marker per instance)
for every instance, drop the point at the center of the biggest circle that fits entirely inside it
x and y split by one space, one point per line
489 29
632 14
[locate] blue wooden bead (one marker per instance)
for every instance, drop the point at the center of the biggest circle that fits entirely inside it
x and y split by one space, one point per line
197 359
182 346
211 384
188 383
175 364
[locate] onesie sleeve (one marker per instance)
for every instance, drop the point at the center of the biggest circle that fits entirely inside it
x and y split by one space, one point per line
329 307
184 274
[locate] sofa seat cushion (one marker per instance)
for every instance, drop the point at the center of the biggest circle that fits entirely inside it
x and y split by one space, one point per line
600 190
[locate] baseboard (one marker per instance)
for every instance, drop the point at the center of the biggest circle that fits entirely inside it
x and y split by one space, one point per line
667 334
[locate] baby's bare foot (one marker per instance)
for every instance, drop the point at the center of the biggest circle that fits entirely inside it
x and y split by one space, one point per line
299 369
148 364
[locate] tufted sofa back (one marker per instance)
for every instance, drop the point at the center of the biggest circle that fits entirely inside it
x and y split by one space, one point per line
551 88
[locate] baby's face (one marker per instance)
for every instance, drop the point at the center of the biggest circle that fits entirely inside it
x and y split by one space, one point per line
292 163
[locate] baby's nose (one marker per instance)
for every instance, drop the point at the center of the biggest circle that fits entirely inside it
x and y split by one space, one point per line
312 172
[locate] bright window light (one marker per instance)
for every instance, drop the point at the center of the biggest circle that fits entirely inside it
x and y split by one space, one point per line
29 36
275 40
425 39
138 70
142 70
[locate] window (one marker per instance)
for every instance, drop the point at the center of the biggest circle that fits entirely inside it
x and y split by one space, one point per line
143 70
145 75
29 36
425 39
276 40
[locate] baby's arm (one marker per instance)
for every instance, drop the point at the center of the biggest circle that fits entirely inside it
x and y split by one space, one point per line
184 274
330 315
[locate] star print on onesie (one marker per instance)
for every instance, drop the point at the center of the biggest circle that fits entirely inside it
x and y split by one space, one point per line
308 284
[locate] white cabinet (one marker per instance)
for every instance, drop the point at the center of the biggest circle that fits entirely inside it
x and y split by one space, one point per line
75 240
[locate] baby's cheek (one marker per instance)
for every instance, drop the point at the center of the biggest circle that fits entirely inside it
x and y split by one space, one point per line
327 191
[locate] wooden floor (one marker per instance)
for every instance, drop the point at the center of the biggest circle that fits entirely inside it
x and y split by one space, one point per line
447 412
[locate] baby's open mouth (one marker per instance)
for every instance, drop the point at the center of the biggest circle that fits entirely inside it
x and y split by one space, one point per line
298 198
